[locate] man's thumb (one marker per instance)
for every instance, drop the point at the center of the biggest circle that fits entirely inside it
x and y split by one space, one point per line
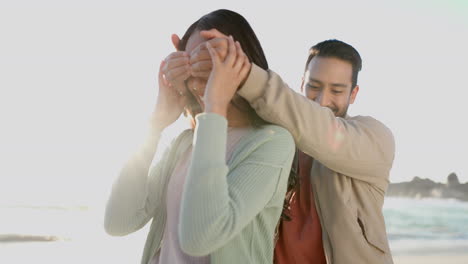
175 41
212 33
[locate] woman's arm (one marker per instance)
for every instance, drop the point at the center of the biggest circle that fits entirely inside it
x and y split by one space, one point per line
128 208
134 199
217 203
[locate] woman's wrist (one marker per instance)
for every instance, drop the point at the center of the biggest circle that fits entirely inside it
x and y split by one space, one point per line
220 109
158 122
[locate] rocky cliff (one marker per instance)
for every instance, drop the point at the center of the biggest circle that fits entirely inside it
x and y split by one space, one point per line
426 188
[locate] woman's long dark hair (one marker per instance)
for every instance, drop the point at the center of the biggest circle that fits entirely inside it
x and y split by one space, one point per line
232 23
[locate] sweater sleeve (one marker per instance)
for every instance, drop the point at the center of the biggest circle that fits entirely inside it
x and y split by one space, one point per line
360 147
136 194
217 203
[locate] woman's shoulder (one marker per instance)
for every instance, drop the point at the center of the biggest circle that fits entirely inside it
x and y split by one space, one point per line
274 132
268 144
180 141
268 136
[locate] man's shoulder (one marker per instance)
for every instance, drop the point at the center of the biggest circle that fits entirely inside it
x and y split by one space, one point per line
371 123
378 130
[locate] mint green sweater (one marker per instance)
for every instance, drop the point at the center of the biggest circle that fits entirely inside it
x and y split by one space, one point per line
229 210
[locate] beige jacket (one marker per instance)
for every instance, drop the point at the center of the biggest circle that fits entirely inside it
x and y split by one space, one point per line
350 174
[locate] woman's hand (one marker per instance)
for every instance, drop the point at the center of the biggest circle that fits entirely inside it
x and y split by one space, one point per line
177 67
225 77
170 103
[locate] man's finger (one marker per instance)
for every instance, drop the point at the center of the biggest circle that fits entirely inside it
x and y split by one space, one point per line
205 65
178 74
177 62
203 54
199 55
201 74
240 58
175 41
212 33
176 54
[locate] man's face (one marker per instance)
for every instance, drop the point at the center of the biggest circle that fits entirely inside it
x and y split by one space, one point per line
328 81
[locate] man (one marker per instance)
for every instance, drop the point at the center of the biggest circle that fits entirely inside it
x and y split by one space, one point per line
344 163
330 80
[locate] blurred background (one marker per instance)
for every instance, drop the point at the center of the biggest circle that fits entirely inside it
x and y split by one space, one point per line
78 81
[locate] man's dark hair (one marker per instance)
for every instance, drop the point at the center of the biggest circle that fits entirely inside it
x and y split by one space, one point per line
231 23
333 48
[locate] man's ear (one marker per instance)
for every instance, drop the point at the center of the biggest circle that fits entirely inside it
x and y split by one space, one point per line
175 41
353 95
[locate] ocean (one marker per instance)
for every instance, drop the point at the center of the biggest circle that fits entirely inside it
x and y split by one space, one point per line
426 226
75 234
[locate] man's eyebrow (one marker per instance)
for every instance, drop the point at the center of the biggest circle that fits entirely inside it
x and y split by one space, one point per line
339 85
315 80
336 85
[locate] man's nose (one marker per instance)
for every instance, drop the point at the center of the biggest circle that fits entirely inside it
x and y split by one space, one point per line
323 99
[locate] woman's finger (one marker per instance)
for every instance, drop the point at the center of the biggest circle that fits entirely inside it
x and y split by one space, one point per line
196 85
240 58
245 70
161 78
232 54
214 55
180 90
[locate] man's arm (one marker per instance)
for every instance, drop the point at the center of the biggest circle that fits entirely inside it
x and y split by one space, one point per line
360 147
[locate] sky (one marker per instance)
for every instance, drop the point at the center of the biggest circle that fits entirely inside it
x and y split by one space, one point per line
78 81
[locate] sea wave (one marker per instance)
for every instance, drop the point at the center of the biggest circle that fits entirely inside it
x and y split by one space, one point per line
426 226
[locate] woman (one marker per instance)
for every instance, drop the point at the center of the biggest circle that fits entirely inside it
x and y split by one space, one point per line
217 193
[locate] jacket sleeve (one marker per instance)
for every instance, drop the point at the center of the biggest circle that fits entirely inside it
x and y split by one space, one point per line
217 203
136 194
360 147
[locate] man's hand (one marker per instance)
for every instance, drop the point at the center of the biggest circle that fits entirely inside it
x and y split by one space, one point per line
200 59
225 77
214 34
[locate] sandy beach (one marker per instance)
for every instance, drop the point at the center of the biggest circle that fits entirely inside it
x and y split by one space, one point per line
128 251
430 259
76 235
